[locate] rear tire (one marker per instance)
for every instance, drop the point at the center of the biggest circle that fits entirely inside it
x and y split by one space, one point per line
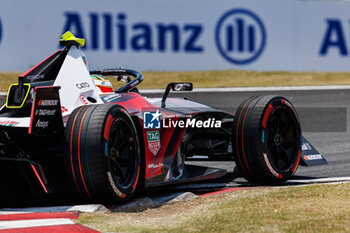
266 139
102 153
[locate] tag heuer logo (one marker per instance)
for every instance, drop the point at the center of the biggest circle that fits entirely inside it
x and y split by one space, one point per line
153 141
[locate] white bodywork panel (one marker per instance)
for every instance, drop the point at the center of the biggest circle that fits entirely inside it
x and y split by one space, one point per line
75 82
15 121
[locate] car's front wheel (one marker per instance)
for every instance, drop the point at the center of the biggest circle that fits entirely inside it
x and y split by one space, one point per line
267 139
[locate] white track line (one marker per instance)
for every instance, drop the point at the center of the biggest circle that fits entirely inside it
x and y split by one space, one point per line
252 89
34 223
5 212
81 208
318 180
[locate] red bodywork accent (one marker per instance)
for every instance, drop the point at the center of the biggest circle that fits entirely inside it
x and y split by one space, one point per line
39 178
135 105
156 162
32 114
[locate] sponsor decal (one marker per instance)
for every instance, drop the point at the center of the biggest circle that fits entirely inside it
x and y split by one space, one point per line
269 166
191 123
82 85
112 183
153 139
83 100
42 124
313 157
335 38
35 77
64 109
45 112
134 84
152 37
110 98
47 102
306 146
240 36
153 165
151 120
9 123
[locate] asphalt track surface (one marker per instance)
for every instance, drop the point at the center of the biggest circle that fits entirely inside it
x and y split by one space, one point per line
324 117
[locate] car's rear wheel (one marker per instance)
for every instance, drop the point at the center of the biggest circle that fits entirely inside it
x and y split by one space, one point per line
102 153
267 139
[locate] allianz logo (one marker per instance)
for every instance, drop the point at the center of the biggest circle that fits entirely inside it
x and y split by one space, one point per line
239 35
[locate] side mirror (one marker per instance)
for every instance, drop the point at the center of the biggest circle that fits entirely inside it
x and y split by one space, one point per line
176 87
182 86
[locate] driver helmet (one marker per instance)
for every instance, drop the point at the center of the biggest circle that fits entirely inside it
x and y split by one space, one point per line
102 83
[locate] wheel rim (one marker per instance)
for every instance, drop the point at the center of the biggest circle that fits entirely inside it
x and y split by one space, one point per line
283 138
122 151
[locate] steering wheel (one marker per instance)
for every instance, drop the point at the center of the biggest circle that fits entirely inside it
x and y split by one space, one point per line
118 73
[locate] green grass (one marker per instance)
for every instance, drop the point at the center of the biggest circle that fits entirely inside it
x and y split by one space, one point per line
226 78
316 208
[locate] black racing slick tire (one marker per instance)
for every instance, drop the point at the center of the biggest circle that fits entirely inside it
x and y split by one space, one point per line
102 157
266 139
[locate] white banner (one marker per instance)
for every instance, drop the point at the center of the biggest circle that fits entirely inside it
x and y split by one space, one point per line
181 34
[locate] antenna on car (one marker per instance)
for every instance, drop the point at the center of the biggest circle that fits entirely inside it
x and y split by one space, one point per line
68 39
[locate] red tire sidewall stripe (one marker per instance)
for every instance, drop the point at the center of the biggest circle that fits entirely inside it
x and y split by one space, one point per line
137 177
79 161
297 161
242 141
237 144
109 122
71 149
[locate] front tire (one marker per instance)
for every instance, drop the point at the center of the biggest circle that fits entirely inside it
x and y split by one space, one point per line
267 139
102 153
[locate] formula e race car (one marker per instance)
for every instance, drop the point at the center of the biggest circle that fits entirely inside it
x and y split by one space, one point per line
64 129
